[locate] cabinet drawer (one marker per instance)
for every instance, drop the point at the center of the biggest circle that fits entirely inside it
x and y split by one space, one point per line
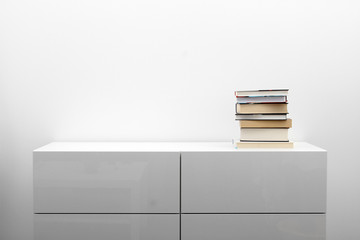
106 182
254 182
253 226
106 227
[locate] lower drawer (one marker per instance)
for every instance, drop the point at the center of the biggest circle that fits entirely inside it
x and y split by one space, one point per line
253 226
106 227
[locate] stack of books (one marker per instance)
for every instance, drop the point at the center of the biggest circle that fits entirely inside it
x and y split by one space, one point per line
263 118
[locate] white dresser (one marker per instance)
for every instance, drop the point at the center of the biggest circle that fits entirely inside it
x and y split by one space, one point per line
173 191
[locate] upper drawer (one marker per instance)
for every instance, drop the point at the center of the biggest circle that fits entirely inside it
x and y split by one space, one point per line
253 182
111 182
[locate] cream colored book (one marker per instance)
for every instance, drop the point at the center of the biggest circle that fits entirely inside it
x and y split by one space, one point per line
264 144
256 108
264 134
266 124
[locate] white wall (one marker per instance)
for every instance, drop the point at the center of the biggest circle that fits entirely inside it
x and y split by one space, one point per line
166 70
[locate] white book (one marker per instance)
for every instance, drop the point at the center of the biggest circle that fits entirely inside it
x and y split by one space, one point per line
267 92
268 99
260 117
264 134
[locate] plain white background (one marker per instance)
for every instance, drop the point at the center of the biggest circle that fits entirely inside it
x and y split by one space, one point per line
141 70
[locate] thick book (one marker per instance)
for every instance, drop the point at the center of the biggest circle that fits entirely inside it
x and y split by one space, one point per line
266 92
266 124
261 117
261 108
264 134
262 99
264 144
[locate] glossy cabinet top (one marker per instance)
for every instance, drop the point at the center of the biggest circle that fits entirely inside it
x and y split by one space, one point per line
166 147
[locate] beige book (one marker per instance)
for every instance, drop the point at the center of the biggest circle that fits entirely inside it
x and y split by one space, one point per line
266 124
264 144
264 134
261 108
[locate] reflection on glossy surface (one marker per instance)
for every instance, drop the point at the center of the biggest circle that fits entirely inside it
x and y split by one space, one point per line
253 226
254 182
106 182
106 227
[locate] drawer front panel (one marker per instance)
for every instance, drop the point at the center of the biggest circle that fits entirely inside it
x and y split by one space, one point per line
106 227
253 226
106 182
248 182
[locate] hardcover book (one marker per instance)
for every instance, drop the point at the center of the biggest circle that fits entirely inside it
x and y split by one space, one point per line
259 117
261 108
264 144
266 92
264 134
266 124
262 99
